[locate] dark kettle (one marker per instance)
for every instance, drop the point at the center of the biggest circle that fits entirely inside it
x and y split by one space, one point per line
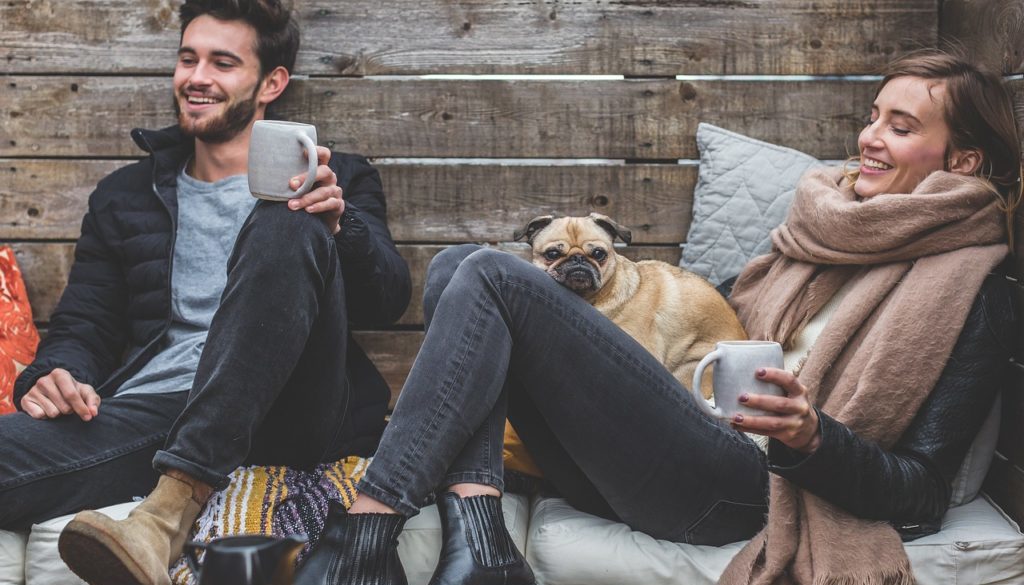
247 559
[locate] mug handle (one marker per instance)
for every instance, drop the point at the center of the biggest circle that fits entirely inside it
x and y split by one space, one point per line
307 142
192 559
695 388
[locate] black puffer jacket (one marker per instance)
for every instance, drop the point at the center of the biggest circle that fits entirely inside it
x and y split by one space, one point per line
910 484
117 301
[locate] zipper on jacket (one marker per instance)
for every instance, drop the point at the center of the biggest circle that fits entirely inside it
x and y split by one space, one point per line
170 271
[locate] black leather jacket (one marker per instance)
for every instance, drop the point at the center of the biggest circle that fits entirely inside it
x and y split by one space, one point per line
910 485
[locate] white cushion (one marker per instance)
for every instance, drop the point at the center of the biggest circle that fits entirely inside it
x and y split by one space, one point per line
967 482
42 561
978 544
419 544
12 557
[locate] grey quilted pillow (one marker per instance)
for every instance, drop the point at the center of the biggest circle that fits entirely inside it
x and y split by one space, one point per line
744 188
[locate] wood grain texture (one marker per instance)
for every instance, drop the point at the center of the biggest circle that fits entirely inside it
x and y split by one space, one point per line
619 119
1005 485
45 199
393 352
45 266
365 37
1017 91
1019 246
1011 431
991 31
45 269
1018 356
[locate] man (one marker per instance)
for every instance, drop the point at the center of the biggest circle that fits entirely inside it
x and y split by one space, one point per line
152 345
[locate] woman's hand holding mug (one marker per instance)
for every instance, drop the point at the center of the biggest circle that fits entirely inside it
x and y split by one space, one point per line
791 419
756 395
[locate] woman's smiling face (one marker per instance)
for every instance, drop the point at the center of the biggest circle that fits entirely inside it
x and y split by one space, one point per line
906 139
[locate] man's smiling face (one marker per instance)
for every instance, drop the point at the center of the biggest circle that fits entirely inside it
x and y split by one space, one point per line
217 79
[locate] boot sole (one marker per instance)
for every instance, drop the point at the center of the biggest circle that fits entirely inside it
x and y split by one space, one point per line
92 554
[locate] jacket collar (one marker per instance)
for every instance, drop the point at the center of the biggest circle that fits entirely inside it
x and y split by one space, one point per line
169 149
153 141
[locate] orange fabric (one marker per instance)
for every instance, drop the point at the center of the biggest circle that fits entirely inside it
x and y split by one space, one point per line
515 455
18 335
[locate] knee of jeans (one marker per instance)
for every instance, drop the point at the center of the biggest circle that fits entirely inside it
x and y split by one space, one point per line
276 230
489 260
274 222
442 267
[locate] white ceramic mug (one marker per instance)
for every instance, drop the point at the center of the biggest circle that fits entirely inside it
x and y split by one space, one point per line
735 365
275 157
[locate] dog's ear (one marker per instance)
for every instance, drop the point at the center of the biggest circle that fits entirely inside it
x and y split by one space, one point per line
609 225
532 227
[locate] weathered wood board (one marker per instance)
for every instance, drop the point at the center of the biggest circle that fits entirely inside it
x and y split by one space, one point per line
1005 484
618 119
409 37
393 353
990 31
1019 296
46 198
1011 439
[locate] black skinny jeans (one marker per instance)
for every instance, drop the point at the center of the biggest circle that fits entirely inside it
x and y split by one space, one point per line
270 388
608 425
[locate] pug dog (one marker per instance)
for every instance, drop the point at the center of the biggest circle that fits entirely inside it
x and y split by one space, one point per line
675 314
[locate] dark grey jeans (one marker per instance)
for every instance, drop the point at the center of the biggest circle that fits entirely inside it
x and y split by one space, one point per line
608 425
281 330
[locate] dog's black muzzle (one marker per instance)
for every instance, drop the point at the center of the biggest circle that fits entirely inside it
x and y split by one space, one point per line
577 274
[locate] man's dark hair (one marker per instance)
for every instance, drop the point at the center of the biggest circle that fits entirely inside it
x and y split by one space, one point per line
277 31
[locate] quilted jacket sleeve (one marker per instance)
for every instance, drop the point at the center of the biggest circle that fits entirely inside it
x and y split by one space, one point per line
377 282
88 329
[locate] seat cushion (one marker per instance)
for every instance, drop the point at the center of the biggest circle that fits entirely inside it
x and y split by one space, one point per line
978 544
419 545
12 557
42 561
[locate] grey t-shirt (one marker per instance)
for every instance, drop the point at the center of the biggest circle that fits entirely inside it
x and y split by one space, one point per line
210 216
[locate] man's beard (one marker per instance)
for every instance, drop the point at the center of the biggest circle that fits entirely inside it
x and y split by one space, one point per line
222 128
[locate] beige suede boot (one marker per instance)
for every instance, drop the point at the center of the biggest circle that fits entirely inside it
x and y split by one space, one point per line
139 549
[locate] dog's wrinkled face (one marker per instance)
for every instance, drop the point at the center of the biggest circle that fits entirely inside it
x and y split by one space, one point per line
576 251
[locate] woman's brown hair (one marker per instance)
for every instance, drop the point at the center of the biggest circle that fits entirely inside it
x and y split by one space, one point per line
979 114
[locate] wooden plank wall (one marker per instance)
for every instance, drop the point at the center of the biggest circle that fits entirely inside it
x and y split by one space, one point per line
77 79
408 79
992 32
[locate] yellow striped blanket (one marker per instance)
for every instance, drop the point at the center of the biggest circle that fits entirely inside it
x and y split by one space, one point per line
274 500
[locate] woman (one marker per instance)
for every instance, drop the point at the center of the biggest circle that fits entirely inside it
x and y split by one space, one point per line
895 258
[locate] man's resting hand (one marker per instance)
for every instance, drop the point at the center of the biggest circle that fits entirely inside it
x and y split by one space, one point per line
57 394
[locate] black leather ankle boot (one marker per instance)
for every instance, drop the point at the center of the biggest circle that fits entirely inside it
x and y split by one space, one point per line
355 549
477 549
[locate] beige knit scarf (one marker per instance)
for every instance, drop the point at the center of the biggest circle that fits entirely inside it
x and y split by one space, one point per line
916 262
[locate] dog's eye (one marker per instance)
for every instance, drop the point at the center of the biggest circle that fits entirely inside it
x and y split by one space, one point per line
552 254
598 254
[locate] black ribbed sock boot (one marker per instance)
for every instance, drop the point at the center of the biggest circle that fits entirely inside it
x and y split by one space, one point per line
355 549
477 548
